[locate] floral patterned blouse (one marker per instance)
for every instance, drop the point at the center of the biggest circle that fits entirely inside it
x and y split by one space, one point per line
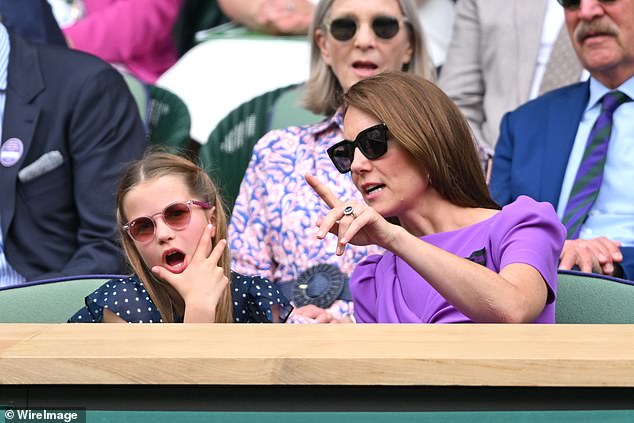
273 225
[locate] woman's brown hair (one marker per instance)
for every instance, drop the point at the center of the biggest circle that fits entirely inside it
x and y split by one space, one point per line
421 118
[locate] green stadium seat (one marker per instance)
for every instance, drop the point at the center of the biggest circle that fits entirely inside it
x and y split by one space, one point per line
49 301
169 119
228 150
288 110
141 96
591 298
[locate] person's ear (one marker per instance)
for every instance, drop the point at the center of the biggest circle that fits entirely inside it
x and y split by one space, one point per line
212 220
320 40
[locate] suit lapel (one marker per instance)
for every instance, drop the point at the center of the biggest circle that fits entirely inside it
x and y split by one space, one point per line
24 83
527 13
563 117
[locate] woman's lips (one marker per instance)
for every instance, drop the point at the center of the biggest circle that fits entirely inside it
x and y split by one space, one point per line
372 190
365 68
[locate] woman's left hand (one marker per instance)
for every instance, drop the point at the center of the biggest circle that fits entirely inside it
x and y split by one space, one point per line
352 221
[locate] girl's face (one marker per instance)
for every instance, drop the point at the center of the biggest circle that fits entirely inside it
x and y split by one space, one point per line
170 247
365 53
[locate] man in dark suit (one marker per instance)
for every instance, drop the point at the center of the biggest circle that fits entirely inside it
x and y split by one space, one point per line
69 126
33 20
542 147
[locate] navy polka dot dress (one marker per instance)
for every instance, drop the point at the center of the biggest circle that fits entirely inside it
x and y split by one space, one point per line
253 298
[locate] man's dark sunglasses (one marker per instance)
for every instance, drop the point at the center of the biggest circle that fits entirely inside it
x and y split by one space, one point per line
372 142
385 27
573 4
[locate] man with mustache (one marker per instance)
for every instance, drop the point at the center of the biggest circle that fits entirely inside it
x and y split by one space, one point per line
573 148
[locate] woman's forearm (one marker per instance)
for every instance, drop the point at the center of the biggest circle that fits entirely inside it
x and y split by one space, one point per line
517 294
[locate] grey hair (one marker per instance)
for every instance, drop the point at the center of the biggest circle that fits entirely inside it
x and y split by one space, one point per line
323 93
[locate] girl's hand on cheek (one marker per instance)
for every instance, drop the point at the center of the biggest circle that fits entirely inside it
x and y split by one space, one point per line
201 285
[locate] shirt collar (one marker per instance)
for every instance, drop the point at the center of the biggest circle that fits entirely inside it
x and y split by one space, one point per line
598 90
335 120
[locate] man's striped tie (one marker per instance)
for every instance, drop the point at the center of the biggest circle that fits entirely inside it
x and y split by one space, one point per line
585 188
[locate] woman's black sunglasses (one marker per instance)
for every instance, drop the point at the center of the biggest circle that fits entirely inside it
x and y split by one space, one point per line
372 142
385 27
573 4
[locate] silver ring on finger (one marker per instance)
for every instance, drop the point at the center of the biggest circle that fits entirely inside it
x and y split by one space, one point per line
349 211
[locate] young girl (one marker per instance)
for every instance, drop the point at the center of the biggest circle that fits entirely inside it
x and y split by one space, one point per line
173 230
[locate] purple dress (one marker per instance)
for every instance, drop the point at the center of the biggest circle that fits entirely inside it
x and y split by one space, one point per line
385 289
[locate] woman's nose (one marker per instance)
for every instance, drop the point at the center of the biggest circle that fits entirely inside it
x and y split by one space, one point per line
360 163
364 38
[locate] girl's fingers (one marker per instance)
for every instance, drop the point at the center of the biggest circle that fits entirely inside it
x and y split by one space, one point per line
204 244
163 274
216 253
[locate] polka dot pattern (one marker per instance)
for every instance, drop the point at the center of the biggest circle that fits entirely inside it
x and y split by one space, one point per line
253 299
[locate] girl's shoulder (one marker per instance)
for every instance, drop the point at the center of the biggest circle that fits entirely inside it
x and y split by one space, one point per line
125 297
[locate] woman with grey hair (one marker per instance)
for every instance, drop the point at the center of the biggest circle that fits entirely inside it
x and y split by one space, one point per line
273 219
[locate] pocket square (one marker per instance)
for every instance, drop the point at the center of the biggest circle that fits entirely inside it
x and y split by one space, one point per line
45 164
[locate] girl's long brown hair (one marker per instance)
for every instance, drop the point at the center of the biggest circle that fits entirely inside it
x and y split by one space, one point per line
154 165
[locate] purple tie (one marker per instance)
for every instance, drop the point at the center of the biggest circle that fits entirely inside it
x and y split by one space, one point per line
585 188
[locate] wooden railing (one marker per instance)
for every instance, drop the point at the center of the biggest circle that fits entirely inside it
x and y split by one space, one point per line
388 355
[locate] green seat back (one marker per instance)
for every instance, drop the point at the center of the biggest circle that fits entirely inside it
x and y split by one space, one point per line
288 111
587 298
141 96
47 302
169 119
228 150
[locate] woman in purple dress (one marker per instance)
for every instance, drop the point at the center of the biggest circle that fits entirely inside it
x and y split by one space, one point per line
452 255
